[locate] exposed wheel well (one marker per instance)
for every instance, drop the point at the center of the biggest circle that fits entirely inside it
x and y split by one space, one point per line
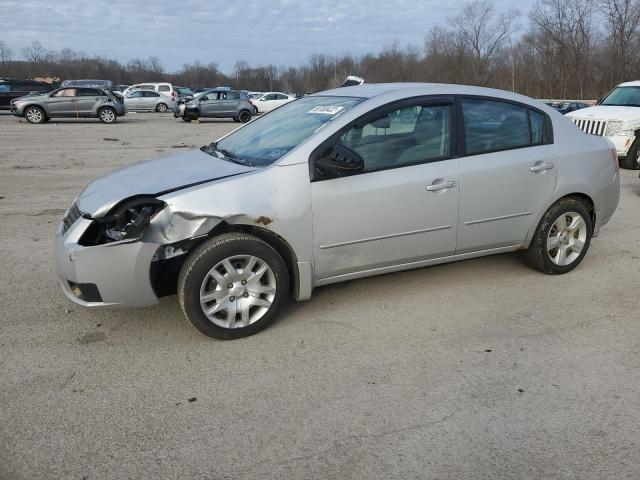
586 199
164 275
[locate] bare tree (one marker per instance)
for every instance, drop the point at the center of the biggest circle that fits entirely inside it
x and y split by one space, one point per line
623 27
5 52
484 35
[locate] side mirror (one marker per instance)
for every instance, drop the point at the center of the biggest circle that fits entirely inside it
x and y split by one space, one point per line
340 161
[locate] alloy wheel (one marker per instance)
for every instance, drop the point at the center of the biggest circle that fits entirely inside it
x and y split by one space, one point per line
107 115
34 115
566 238
238 291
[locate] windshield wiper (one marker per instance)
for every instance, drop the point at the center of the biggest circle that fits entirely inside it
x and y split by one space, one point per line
213 147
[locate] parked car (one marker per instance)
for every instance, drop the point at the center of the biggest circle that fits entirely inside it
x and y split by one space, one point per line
335 186
161 87
216 104
11 88
566 107
271 100
147 101
617 117
80 102
106 84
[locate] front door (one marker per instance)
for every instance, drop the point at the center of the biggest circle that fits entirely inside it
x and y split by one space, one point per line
507 174
210 105
134 101
62 103
403 207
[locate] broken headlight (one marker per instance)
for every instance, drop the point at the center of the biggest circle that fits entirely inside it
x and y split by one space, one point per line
127 222
131 219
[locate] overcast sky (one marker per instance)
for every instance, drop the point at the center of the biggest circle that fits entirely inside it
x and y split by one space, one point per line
279 32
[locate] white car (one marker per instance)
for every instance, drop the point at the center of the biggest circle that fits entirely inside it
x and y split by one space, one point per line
617 117
271 100
160 87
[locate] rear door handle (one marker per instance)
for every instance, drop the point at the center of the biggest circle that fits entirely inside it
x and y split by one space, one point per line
434 187
541 166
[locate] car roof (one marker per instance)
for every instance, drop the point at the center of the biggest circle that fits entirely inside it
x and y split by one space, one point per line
370 90
635 83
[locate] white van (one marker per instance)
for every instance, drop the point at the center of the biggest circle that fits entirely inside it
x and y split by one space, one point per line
161 87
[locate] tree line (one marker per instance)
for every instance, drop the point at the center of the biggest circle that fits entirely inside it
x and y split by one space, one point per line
558 49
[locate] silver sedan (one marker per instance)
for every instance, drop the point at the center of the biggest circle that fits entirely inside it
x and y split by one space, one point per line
148 101
335 186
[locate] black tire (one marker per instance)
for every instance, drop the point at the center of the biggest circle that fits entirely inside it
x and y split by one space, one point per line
632 160
255 110
197 266
107 115
161 107
236 119
537 255
34 114
244 116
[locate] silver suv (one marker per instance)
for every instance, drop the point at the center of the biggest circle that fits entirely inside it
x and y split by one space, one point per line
78 102
216 103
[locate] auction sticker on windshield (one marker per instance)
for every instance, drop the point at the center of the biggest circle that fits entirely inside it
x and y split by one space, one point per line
326 109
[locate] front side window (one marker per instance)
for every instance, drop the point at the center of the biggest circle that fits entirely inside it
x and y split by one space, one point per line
137 94
492 125
269 137
5 87
623 96
65 92
407 136
271 96
150 94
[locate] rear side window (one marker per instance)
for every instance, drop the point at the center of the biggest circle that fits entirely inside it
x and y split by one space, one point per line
492 125
89 92
233 96
164 88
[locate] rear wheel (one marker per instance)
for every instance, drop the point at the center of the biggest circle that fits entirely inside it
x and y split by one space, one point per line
161 107
632 161
107 115
232 286
244 116
35 115
562 238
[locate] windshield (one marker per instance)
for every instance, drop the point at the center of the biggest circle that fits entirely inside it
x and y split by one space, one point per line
268 138
624 97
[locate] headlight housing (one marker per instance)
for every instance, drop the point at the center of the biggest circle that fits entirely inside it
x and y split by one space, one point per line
128 222
613 128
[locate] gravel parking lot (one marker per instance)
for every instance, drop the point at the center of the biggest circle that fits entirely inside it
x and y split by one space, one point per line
480 369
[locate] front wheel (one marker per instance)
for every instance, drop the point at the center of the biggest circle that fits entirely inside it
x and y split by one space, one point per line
161 107
232 286
34 115
562 238
107 115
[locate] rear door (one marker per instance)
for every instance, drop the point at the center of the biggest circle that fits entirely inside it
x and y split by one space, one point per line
508 172
229 102
88 100
403 207
62 103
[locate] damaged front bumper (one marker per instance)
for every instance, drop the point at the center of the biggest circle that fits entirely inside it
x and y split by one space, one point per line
104 276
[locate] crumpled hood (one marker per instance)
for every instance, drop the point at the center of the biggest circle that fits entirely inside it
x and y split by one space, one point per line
603 112
154 177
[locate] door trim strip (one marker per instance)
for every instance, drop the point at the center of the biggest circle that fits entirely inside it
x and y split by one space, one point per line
384 237
495 219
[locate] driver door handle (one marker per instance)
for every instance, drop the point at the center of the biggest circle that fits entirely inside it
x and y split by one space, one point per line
434 187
